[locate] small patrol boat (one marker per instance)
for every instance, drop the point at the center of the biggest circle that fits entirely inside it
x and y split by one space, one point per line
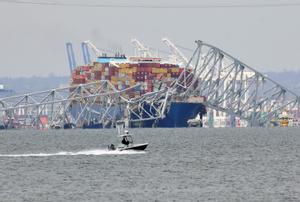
127 141
127 144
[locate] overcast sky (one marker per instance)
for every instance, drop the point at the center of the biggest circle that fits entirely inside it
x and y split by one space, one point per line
33 37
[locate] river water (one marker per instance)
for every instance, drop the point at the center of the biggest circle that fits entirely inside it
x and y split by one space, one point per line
194 164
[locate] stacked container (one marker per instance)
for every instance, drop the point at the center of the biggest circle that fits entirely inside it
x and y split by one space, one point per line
150 75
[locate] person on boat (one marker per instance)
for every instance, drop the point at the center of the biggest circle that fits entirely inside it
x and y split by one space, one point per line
125 141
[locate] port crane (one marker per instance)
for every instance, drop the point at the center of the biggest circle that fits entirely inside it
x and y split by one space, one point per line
141 49
71 56
176 53
93 47
85 53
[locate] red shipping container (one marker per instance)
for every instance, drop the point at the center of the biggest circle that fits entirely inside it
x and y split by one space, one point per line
88 75
150 77
111 71
97 77
85 68
82 76
79 81
98 73
148 69
150 89
156 64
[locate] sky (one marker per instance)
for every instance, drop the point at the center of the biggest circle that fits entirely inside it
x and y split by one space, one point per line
33 35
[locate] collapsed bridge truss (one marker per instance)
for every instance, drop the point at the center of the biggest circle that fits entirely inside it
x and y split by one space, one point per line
98 100
232 87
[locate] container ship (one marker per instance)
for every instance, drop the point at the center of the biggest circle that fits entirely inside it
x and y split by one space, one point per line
145 75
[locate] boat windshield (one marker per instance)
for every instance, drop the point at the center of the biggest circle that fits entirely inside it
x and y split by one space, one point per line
120 127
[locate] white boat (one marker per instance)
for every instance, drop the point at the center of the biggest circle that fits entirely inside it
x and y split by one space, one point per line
127 141
139 147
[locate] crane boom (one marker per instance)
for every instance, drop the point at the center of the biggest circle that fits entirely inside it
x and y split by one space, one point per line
93 47
71 56
175 51
86 53
141 49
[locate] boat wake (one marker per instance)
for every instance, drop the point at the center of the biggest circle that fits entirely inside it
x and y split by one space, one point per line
97 152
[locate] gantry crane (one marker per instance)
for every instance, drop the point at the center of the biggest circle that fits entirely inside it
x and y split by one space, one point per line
142 50
93 47
175 52
86 53
71 56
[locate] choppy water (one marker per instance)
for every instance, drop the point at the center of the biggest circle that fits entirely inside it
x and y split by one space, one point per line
179 165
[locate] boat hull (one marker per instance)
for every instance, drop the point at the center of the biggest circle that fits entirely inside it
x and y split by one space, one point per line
139 147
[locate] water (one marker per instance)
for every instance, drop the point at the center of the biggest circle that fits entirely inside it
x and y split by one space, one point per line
179 165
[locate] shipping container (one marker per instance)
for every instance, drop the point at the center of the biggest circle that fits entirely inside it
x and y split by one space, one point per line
148 72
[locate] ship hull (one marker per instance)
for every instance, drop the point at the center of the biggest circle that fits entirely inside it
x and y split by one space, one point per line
177 116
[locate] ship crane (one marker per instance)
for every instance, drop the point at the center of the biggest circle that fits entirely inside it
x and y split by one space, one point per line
175 51
141 49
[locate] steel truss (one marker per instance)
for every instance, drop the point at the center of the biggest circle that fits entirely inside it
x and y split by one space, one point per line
233 87
98 100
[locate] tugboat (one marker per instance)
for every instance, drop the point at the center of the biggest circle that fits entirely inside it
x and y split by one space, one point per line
127 140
